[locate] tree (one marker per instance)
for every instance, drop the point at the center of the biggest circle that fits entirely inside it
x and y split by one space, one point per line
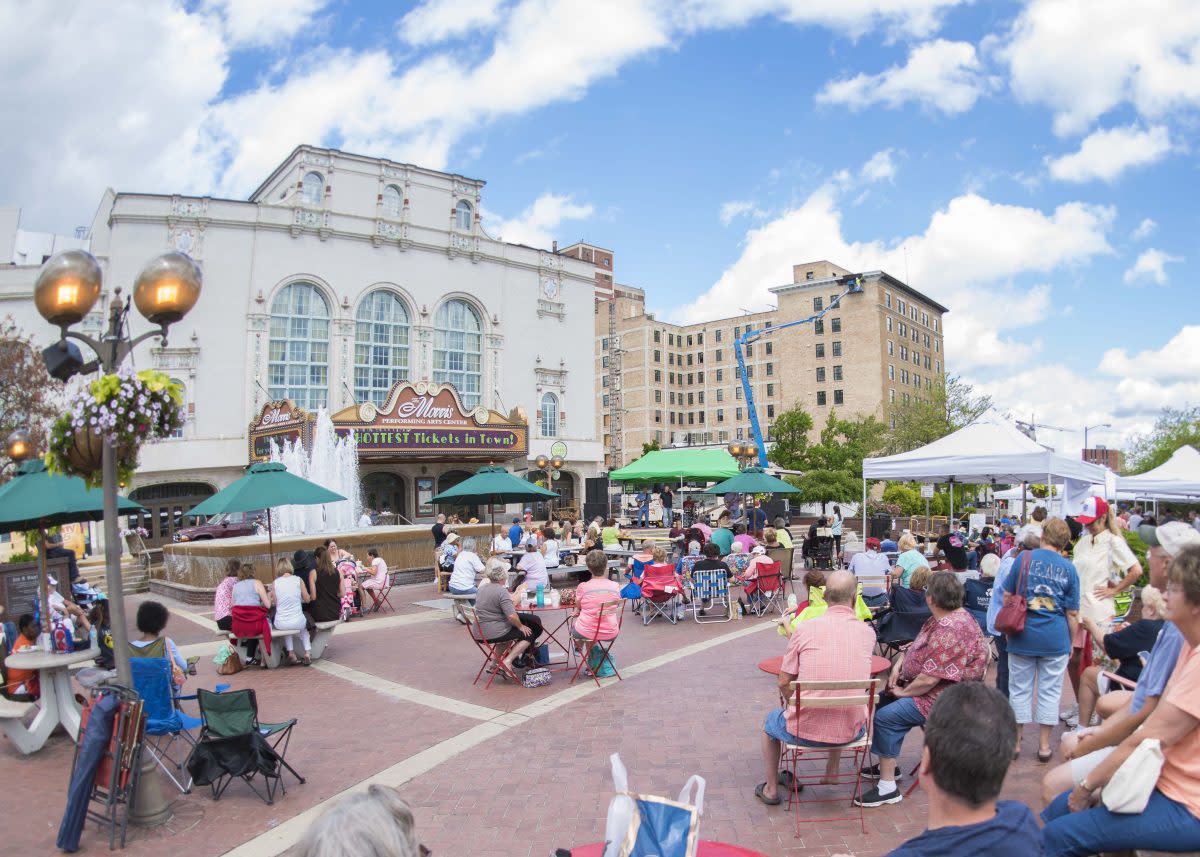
1175 427
790 432
833 466
651 446
949 406
29 397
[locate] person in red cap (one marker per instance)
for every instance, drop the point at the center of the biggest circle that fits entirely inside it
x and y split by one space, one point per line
1106 567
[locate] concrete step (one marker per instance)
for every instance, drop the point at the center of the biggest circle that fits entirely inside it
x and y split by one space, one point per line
133 576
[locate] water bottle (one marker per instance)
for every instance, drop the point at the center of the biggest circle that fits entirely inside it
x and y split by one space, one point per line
92 638
792 603
541 595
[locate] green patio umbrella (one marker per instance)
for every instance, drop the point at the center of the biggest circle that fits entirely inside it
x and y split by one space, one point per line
267 484
493 485
36 499
753 480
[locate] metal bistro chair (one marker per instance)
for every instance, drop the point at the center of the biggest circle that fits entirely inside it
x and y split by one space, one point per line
849 693
493 653
610 608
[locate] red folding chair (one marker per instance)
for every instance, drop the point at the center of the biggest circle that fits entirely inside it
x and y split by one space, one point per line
766 589
379 597
493 653
613 607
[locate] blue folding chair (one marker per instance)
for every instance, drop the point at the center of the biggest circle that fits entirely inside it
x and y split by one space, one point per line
165 722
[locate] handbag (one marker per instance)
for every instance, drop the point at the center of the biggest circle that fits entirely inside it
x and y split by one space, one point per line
640 825
1011 618
232 663
1129 790
537 677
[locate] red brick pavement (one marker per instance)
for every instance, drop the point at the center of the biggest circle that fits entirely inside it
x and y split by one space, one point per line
537 786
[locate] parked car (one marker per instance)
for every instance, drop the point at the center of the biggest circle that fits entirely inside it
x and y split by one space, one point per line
226 525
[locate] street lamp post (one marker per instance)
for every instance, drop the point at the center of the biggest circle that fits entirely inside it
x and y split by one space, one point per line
67 288
1086 429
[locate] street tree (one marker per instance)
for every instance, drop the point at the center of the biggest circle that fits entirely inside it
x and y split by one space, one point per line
29 397
951 404
1175 427
832 467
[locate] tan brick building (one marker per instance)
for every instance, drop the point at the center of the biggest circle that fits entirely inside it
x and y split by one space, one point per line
679 384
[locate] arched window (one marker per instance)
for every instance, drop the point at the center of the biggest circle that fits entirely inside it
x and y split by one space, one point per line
393 201
313 192
380 346
183 392
458 350
462 216
298 362
549 415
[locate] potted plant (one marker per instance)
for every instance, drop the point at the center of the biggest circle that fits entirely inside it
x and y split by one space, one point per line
125 408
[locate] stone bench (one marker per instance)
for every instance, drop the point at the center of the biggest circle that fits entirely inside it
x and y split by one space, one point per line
319 639
12 723
457 602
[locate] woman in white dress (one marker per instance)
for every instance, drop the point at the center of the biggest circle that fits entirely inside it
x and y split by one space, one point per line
290 596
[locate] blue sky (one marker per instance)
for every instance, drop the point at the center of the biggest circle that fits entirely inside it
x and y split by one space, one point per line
1029 164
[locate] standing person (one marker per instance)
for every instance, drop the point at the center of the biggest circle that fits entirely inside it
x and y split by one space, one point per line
963 765
835 526
1040 652
758 518
643 507
1135 518
223 597
515 532
439 531
1029 537
467 567
365 519
667 499
1106 567
290 597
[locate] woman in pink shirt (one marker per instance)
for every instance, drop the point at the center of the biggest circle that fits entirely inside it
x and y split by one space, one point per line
223 599
590 595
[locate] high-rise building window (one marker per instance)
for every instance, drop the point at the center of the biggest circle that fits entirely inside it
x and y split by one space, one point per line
770 389
717 335
458 350
889 324
657 356
381 332
835 324
837 397
818 304
837 348
820 397
657 376
891 372
820 351
393 201
720 375
819 326
720 394
720 355
549 415
739 413
770 348
770 368
720 415
658 336
298 351
891 348
820 374
887 299
837 373
658 396
770 411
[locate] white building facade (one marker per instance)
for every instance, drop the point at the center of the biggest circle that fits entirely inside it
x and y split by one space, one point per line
340 276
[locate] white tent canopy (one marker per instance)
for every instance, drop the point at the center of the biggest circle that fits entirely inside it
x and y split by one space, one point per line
1175 479
985 451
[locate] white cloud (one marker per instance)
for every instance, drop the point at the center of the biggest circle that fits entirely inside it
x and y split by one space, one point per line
1150 266
939 75
736 208
437 20
852 17
1178 360
1106 153
264 22
1082 58
965 259
538 224
1144 229
879 167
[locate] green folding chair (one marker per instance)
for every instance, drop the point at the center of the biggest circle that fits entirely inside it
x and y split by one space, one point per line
231 716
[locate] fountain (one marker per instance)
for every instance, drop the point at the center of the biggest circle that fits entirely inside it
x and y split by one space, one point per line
333 464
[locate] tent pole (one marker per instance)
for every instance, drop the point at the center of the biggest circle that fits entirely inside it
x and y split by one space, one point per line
863 512
270 544
1024 500
1049 495
953 520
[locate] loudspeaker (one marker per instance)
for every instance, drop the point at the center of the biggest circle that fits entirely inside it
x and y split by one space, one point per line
592 511
596 489
63 359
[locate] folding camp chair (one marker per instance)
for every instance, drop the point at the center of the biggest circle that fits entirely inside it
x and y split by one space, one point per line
661 588
238 746
493 653
766 590
710 595
587 647
831 694
785 557
165 722
899 626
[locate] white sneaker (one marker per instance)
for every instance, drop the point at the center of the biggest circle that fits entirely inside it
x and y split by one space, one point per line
1073 711
1072 722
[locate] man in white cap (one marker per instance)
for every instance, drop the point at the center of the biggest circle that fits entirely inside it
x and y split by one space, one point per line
71 612
1087 748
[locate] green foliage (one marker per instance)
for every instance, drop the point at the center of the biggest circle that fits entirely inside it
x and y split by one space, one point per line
790 432
652 446
1139 549
833 465
24 556
1175 427
907 495
931 414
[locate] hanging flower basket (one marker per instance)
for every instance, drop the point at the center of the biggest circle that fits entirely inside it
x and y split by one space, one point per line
126 409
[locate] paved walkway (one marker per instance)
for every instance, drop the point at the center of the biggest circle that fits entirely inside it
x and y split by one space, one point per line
505 772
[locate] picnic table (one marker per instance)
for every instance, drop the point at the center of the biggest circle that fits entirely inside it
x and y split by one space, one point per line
57 703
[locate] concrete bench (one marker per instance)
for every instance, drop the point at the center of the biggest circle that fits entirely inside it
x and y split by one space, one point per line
319 639
12 722
457 602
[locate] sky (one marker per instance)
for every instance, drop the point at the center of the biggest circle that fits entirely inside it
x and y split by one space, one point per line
1031 165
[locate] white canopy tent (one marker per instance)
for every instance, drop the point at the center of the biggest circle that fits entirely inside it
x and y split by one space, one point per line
988 451
1178 478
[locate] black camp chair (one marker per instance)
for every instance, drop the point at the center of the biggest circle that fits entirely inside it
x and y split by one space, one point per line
899 626
234 744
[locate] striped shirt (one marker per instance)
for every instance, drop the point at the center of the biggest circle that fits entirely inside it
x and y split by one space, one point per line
833 647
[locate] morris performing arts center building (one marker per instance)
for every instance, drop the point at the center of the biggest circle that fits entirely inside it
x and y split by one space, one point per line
369 289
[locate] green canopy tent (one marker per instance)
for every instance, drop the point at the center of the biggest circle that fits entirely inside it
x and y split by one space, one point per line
491 485
267 484
36 499
667 465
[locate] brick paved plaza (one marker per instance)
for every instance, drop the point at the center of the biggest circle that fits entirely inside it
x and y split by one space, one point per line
505 772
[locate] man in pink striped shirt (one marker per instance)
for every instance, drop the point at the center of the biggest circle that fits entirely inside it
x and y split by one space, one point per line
833 647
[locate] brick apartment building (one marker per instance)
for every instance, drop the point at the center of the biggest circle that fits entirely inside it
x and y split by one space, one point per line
679 384
1113 459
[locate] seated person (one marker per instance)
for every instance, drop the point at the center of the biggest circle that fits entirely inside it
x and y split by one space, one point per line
738 560
782 534
502 543
710 561
55 550
24 684
742 537
467 568
588 625
251 601
723 536
291 594
686 563
76 620
152 619
223 597
963 765
871 563
978 591
377 821
610 536
815 605
1077 823
500 622
532 568
909 560
836 644
102 622
948 649
912 599
888 545
549 548
379 572
817 527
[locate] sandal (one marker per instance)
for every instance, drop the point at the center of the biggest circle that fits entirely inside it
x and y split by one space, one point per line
307 660
760 793
787 780
1045 757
